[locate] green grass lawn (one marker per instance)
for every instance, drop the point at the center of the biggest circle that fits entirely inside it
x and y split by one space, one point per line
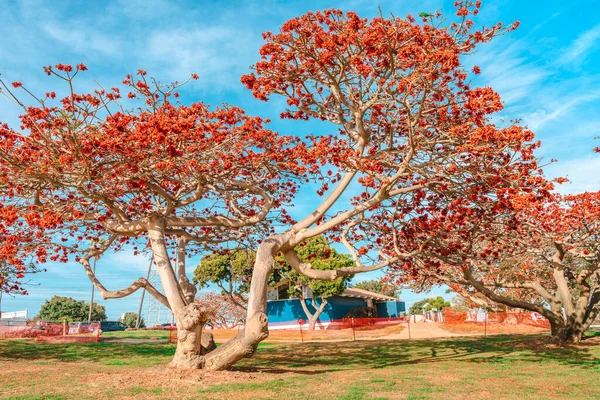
141 334
501 367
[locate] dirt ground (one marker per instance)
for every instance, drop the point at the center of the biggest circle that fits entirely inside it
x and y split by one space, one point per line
432 330
467 328
419 330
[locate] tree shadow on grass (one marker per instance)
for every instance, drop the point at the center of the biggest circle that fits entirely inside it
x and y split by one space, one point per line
25 349
317 358
326 357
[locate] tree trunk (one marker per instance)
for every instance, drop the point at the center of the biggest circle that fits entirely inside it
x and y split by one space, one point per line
190 315
556 329
569 331
591 317
573 332
567 335
244 344
592 310
577 322
574 335
190 350
314 318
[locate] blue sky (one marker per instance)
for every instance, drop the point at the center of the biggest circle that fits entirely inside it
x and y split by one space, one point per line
547 73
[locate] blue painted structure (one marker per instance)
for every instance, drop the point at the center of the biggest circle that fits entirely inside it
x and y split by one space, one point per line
390 309
290 310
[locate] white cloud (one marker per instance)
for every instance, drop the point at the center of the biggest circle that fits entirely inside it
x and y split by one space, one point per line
582 174
505 68
83 40
219 55
577 50
541 117
124 261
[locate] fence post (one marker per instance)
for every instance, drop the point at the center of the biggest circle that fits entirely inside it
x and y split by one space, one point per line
64 327
485 325
300 321
353 332
409 328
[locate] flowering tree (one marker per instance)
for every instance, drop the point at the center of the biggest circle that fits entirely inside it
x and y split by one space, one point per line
16 248
409 126
540 256
84 176
222 311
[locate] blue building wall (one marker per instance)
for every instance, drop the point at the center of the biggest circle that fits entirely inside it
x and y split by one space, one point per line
390 309
337 308
291 310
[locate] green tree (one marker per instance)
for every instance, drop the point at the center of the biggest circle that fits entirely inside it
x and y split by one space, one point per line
317 251
231 271
378 287
130 318
58 308
429 304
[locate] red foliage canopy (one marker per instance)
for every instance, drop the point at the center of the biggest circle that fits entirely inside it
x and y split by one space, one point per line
419 135
83 172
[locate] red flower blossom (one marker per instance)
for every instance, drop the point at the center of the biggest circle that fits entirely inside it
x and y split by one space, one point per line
64 67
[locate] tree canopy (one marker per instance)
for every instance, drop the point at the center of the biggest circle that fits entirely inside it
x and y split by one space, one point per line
413 147
231 270
317 251
130 320
59 308
428 304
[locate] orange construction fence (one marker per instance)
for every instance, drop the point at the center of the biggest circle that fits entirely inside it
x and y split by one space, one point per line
54 332
347 329
339 329
481 322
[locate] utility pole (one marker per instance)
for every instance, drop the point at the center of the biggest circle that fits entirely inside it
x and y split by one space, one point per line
139 315
156 311
93 287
